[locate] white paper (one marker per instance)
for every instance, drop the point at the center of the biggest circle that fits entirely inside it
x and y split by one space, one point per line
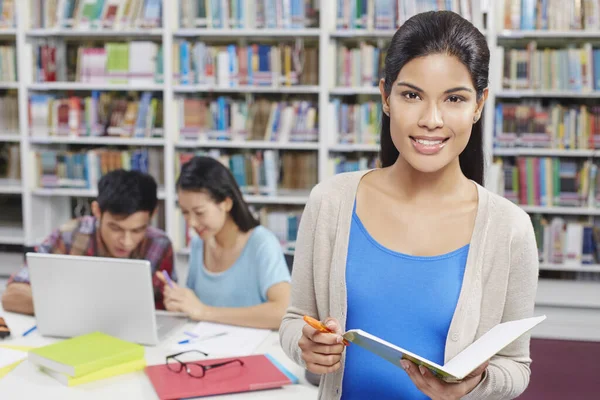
11 356
233 340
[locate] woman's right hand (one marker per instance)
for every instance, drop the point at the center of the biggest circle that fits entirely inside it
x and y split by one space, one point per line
321 351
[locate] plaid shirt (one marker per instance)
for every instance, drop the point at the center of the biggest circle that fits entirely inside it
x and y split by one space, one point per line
79 237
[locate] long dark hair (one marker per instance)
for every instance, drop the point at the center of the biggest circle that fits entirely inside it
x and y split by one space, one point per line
436 32
208 175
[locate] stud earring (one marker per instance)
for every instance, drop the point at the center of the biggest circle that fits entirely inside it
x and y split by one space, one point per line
475 119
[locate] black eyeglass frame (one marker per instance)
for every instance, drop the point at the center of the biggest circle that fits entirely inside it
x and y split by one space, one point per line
204 368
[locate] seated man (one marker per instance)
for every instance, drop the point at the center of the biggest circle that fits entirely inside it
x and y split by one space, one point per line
120 227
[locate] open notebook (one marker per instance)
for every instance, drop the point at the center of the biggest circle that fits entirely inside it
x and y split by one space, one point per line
464 362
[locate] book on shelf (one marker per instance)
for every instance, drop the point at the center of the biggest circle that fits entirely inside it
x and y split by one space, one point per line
264 172
83 169
8 64
7 14
550 182
136 63
354 123
283 222
135 115
573 68
9 114
227 118
10 162
553 126
548 15
232 65
247 14
95 14
341 164
391 14
360 66
569 243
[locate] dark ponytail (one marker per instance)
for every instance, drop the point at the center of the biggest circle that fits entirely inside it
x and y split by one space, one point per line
437 32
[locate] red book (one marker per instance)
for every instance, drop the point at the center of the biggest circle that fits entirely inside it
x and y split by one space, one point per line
259 372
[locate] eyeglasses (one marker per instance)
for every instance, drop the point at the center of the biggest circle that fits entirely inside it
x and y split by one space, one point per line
195 369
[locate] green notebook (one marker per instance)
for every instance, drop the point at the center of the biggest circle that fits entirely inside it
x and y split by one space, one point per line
85 354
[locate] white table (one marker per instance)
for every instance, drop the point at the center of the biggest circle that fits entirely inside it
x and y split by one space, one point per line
27 382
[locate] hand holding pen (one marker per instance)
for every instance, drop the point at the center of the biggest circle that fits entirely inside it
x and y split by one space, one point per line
322 345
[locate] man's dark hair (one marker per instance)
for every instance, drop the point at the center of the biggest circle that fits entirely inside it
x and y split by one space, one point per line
122 192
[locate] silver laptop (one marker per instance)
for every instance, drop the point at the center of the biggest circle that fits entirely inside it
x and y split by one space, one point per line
74 295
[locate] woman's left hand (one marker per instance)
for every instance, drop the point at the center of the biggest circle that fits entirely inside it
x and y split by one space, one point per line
436 388
184 300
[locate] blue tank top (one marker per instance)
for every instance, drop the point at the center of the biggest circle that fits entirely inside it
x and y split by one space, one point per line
406 300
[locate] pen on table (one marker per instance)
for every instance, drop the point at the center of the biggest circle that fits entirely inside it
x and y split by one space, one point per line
321 327
201 338
33 328
168 278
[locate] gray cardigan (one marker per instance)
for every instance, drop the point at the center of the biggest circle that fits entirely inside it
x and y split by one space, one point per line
499 283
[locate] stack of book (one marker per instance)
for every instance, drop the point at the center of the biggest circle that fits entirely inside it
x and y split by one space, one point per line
88 358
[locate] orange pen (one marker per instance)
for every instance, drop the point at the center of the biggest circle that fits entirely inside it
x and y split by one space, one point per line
318 325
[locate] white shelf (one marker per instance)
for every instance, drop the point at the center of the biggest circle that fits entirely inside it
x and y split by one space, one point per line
544 152
515 94
547 34
577 268
10 137
250 144
300 89
561 210
363 33
10 186
9 85
236 33
4 32
67 192
90 33
11 234
291 198
348 148
100 140
94 86
564 293
350 91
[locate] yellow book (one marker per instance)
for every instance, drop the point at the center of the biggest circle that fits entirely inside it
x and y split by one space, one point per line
85 354
121 369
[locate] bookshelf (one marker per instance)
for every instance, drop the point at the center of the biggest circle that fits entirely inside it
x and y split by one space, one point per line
568 290
44 208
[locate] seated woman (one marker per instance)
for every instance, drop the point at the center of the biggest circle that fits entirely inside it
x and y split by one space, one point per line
237 271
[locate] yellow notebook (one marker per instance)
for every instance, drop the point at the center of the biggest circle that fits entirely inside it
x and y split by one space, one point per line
125 368
85 354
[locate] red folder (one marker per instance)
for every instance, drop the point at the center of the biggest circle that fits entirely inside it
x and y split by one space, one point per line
259 372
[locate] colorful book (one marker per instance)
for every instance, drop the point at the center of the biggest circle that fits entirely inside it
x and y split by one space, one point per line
120 369
258 372
85 354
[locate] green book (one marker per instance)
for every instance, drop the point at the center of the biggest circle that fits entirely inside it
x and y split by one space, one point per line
115 370
85 354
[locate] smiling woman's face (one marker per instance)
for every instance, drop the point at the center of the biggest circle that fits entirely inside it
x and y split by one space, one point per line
432 106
